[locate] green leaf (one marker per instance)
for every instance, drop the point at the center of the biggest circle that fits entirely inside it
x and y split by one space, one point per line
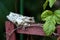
49 26
45 14
51 3
45 4
57 13
51 19
57 16
58 21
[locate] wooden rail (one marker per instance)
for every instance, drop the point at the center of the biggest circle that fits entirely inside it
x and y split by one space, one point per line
33 30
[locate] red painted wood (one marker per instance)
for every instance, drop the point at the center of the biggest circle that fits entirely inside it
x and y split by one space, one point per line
9 27
32 31
58 29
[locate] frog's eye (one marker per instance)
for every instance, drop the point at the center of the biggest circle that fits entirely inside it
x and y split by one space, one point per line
30 19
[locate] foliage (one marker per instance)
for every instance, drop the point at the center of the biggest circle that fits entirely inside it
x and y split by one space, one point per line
50 18
51 3
45 4
57 13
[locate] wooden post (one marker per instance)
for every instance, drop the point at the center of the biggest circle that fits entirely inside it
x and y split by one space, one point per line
9 27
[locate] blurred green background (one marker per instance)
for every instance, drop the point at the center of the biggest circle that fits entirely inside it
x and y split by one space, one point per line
5 7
